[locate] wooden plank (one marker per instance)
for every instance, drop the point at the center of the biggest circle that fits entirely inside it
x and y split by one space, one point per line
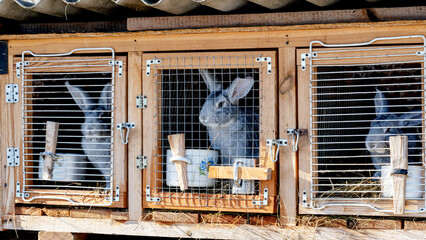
90 213
399 160
220 218
247 20
120 216
321 221
135 138
197 230
178 217
52 129
232 38
288 119
377 224
33 211
247 173
414 225
72 27
61 236
264 220
56 212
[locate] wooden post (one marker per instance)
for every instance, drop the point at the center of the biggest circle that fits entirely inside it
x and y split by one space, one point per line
52 129
177 144
398 155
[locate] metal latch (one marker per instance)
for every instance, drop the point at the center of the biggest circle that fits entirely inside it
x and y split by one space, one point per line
295 133
120 66
149 63
304 57
148 196
12 93
141 162
141 101
268 61
278 143
263 202
126 126
12 157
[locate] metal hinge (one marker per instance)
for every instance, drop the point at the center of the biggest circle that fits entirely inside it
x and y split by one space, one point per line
148 196
304 57
12 93
13 157
263 202
268 60
149 63
278 143
141 162
120 66
141 101
117 194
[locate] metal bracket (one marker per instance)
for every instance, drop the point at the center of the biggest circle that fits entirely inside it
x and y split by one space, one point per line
12 93
268 60
278 143
120 66
148 196
305 199
12 157
295 133
263 202
117 194
18 189
19 66
141 101
3 57
304 56
141 162
126 125
149 63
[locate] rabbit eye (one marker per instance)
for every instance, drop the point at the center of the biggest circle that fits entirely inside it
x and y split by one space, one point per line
220 104
386 130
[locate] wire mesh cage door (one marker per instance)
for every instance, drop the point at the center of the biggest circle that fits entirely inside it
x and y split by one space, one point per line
224 106
71 154
360 96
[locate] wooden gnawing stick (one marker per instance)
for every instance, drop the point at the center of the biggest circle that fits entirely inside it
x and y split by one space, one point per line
52 129
177 144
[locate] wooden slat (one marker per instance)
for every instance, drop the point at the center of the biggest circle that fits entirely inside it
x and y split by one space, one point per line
178 217
245 173
197 230
288 119
247 20
399 160
135 137
400 13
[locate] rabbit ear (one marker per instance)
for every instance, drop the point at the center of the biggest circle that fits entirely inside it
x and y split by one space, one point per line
79 96
212 84
381 103
411 119
105 98
239 89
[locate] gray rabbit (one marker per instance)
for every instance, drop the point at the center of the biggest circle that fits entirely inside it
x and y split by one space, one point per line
232 129
387 124
96 129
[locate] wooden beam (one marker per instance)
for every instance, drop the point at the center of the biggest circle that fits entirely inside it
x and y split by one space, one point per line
198 230
287 100
135 138
61 236
399 161
245 173
247 20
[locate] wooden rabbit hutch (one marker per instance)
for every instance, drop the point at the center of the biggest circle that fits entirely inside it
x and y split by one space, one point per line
302 99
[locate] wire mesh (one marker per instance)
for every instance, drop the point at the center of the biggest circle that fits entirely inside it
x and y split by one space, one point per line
220 120
76 91
360 95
